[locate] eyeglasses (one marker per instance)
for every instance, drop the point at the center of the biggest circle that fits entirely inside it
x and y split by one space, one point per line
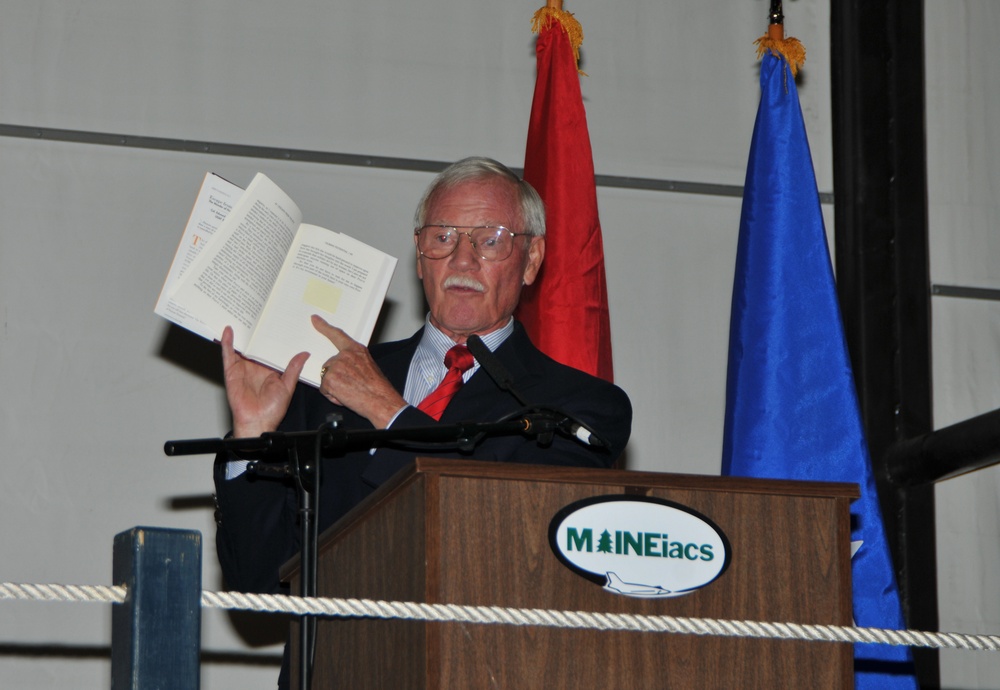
491 242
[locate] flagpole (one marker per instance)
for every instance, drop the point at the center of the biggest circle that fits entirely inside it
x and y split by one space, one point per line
777 18
776 26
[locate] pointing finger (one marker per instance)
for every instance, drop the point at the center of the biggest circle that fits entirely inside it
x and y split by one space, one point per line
338 337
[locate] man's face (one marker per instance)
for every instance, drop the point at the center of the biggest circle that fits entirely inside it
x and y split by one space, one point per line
466 294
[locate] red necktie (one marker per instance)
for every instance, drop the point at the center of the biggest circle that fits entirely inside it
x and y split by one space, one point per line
458 360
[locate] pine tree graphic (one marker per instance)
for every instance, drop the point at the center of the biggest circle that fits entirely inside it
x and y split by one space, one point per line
604 543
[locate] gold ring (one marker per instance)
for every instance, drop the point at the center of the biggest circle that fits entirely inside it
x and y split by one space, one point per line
322 373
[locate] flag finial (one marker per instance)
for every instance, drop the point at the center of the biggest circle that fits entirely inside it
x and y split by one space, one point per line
791 49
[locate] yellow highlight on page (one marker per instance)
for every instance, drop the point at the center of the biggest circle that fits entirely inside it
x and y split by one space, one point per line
322 295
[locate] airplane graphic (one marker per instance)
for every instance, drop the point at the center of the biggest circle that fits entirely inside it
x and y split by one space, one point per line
634 589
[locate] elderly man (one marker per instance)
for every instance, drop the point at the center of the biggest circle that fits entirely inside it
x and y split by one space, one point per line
479 238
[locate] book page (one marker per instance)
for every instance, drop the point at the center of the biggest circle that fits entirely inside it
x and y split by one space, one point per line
229 281
214 202
330 274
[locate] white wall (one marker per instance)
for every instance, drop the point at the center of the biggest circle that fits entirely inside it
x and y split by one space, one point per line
92 383
963 146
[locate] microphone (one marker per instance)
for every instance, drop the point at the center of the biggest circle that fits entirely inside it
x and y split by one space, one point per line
579 431
505 382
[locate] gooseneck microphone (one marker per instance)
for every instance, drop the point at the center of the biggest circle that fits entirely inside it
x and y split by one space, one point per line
496 371
501 377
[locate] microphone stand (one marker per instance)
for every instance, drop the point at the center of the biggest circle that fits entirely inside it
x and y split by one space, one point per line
304 452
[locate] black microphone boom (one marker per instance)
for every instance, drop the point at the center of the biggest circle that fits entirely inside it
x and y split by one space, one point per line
505 382
488 361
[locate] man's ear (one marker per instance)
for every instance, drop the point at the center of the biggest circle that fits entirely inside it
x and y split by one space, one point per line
536 253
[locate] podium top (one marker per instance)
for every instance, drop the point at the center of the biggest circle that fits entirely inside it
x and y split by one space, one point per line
629 482
627 478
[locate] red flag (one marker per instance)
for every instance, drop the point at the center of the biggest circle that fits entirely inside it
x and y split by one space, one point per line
566 311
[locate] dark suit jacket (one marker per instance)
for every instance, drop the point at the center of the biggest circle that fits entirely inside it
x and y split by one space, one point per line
257 518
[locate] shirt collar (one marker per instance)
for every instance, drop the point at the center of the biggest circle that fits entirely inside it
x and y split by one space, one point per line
434 344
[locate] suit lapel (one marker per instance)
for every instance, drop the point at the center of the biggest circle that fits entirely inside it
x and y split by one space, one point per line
395 362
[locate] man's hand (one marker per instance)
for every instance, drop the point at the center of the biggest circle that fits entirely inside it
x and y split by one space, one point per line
352 379
258 396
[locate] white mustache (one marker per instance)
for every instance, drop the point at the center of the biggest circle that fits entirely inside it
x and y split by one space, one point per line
463 281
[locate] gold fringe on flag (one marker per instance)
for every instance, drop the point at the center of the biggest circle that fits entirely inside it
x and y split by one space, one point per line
789 48
571 27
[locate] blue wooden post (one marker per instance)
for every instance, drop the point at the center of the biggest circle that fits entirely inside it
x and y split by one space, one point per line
156 632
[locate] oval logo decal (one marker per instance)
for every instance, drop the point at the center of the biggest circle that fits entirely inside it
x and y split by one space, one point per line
639 546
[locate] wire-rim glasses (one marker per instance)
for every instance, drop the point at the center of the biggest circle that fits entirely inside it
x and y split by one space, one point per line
491 242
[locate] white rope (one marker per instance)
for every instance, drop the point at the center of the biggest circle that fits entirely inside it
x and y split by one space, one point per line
277 603
9 590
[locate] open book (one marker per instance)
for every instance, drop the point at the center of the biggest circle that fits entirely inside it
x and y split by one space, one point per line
248 261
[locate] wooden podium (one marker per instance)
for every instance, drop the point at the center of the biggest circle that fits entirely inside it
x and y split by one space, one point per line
476 533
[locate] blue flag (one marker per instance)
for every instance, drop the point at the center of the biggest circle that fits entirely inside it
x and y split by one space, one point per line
791 406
